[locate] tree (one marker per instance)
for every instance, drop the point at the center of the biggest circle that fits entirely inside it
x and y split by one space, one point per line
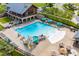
69 6
49 9
50 5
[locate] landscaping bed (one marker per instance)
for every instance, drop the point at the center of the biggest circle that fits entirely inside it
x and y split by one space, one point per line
6 49
64 21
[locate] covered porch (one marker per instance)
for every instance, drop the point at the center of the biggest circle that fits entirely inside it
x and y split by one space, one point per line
21 19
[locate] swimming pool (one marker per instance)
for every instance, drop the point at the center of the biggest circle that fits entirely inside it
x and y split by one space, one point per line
38 28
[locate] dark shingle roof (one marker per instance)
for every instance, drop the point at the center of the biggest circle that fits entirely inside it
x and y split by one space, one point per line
18 7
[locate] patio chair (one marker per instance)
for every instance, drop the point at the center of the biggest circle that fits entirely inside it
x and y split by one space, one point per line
42 37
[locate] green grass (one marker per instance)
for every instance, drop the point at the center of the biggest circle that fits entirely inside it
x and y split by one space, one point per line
2 8
4 52
39 4
1 27
4 20
16 53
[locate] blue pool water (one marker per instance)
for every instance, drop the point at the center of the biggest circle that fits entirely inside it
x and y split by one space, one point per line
36 29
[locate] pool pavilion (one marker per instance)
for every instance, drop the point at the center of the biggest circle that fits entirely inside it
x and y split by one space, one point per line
21 12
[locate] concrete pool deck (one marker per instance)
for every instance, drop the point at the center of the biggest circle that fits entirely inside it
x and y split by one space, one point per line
44 48
53 38
41 47
13 36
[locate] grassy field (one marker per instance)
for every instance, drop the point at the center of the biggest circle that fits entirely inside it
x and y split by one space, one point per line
4 20
1 27
5 48
2 8
39 4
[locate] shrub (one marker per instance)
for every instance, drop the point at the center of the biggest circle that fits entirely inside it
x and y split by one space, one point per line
64 21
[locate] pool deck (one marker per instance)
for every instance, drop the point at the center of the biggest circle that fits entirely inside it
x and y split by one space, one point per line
25 24
13 36
44 48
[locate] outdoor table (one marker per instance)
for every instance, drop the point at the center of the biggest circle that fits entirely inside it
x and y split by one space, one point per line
63 51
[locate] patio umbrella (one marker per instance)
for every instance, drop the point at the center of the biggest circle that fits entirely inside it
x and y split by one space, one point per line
59 24
35 39
49 20
63 51
43 19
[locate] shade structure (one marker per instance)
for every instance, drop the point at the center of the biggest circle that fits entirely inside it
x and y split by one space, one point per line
35 39
43 19
59 24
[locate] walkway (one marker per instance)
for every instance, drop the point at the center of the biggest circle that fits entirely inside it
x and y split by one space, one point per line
29 16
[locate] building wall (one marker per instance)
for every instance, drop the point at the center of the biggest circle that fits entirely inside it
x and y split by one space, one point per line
32 10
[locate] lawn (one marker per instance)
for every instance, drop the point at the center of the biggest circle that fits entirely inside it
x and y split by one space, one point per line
2 8
4 20
6 49
1 27
39 4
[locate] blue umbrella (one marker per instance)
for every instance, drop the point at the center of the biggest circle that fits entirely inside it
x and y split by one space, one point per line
59 24
35 39
43 19
49 20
